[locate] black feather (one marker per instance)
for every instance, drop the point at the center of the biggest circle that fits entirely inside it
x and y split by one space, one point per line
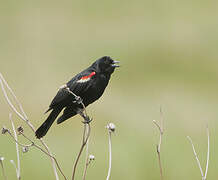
43 129
88 84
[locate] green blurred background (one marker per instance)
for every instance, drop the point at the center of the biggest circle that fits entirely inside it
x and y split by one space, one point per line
168 52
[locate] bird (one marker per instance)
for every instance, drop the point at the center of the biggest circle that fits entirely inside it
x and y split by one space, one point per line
89 85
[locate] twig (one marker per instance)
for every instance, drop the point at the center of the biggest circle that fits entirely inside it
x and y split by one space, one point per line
196 157
38 147
87 157
160 128
111 128
24 117
3 170
85 169
110 157
87 128
208 152
17 149
89 160
84 141
203 176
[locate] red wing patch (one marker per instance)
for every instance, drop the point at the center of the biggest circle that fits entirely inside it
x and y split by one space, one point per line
86 78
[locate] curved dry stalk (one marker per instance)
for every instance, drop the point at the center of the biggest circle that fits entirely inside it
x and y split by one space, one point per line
111 129
196 156
17 149
161 130
87 157
84 141
3 169
85 169
110 157
24 117
14 96
203 175
208 152
87 128
38 147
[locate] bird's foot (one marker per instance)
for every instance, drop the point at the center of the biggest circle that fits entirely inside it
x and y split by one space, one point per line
78 100
87 120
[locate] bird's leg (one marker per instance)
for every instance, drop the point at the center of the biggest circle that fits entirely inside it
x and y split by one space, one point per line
78 100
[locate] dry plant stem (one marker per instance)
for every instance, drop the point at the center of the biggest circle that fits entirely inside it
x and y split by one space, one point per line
203 175
23 116
110 156
87 128
208 152
3 170
17 149
196 157
84 141
87 157
38 147
161 130
85 169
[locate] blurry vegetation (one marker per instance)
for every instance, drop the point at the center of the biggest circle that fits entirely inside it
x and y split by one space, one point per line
168 52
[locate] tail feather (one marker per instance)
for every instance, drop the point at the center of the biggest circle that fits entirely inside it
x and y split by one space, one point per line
43 129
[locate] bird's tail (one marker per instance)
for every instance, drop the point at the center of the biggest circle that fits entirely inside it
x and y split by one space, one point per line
43 129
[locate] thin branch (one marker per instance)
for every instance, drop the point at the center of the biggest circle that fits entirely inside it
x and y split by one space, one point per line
90 159
38 147
25 119
8 100
87 157
3 169
14 96
111 129
87 128
84 141
208 152
196 157
110 157
203 175
85 169
161 130
17 149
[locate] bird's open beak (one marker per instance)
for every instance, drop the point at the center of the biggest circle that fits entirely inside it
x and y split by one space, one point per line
115 64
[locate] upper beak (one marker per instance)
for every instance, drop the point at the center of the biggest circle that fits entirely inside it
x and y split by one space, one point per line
115 64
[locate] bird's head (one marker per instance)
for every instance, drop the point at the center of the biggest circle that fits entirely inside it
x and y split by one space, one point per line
105 65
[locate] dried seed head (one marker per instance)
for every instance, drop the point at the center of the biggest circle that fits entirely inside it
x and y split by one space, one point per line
2 158
111 127
20 130
12 162
25 149
91 157
4 130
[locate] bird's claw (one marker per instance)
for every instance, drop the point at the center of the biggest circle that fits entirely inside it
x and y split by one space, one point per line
78 100
87 120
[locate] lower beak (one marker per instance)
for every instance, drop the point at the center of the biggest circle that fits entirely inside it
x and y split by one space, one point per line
115 64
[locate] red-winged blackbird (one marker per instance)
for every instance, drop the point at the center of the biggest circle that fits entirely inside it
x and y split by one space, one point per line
89 85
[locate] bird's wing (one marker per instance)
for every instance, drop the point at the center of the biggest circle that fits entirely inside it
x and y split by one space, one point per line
60 98
77 85
81 82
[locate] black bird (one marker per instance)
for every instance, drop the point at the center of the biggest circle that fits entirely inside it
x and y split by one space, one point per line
89 85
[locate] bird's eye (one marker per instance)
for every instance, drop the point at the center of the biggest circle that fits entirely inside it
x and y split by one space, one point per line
107 60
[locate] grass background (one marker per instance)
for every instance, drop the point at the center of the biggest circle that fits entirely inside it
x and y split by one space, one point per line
168 53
